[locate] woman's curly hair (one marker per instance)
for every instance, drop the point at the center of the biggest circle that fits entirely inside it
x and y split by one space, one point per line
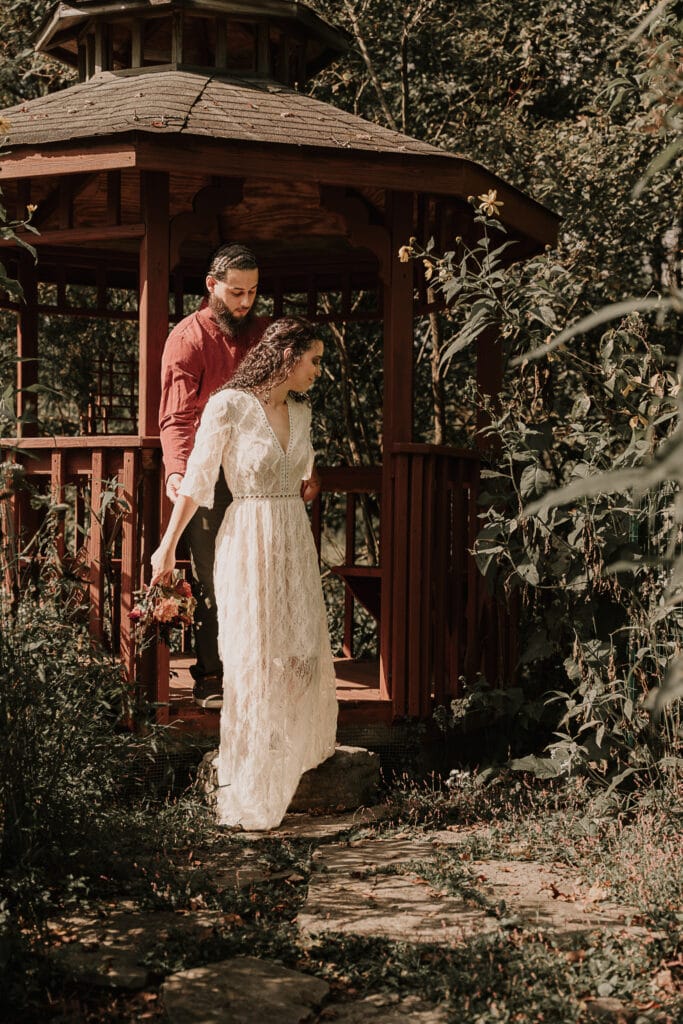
265 365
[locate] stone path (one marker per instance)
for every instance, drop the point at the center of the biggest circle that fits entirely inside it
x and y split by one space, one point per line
388 886
242 991
365 889
412 888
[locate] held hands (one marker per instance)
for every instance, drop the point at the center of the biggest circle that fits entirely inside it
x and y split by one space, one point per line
172 484
310 488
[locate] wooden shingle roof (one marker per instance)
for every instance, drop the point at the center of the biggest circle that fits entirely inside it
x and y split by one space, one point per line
174 102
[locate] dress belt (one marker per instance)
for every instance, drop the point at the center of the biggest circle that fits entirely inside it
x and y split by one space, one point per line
261 497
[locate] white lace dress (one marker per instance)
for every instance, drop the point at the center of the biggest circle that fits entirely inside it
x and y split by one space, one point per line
279 706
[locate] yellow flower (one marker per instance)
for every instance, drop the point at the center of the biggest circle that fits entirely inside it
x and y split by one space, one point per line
490 204
404 254
429 269
31 208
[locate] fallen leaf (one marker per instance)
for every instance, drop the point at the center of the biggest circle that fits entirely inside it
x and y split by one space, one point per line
664 980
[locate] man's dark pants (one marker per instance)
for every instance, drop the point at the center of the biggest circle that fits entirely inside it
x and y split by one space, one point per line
200 538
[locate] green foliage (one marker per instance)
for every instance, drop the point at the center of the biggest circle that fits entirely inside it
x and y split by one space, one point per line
592 574
62 704
488 725
566 101
25 74
592 552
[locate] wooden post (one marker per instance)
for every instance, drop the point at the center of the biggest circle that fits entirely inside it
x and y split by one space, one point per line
154 659
397 427
96 546
154 280
127 478
154 299
57 482
27 349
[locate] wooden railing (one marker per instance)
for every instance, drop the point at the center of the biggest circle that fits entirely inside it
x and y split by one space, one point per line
363 579
437 624
108 527
444 625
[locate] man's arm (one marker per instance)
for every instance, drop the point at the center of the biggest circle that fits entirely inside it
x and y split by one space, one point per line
180 383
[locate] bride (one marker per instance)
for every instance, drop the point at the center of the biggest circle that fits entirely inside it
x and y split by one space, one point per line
279 707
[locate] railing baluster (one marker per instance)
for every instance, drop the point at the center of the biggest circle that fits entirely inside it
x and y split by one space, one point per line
95 546
429 568
127 480
349 559
57 480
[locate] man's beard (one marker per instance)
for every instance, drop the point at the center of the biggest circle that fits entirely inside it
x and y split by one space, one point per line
228 323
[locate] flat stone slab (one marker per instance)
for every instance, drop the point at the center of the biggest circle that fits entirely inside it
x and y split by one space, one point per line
242 990
368 888
385 1009
544 897
355 889
107 949
547 896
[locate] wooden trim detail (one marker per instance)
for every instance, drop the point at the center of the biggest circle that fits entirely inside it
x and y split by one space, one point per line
79 236
360 231
203 219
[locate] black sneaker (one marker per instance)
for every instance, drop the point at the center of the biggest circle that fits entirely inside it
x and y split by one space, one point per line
208 692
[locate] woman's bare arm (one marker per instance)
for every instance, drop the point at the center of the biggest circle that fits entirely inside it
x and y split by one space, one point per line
163 559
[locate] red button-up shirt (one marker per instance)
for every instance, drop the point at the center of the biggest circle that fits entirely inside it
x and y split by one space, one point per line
198 358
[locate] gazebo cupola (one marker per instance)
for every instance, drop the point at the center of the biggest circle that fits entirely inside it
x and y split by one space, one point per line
280 40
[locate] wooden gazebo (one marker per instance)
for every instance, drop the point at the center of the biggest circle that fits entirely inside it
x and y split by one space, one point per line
187 129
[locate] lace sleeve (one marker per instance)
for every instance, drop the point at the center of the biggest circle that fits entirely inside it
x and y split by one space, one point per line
204 463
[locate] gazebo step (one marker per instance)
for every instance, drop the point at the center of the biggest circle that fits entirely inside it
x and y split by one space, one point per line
358 694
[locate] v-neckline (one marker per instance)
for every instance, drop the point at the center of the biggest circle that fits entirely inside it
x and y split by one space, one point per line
270 425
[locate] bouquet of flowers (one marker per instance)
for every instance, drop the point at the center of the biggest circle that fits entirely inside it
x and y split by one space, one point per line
163 606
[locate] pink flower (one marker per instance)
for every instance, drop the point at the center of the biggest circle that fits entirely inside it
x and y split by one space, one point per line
136 614
166 610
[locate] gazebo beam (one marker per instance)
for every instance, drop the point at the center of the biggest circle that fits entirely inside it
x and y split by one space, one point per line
78 236
439 175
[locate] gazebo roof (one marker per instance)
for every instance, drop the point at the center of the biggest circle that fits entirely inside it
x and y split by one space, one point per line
186 103
202 111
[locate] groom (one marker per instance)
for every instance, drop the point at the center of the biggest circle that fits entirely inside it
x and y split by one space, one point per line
201 354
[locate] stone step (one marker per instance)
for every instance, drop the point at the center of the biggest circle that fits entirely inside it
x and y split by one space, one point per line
346 781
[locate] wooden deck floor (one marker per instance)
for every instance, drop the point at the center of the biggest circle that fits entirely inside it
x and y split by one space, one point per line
357 692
